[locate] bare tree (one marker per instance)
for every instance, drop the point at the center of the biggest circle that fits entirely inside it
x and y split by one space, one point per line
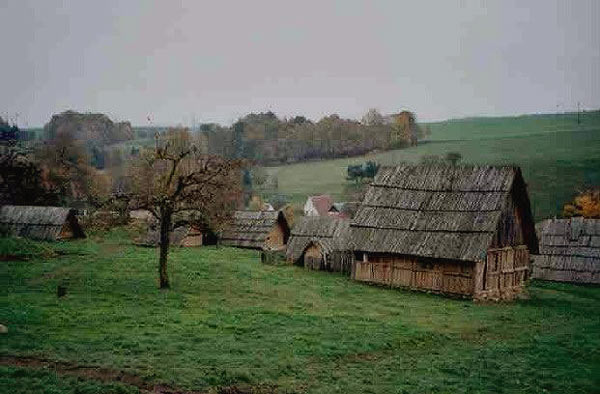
180 186
372 118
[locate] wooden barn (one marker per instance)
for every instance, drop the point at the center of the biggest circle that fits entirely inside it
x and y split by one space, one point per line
569 250
43 223
458 230
263 230
321 243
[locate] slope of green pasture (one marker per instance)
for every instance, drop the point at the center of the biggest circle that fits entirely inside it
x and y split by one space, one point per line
230 320
556 162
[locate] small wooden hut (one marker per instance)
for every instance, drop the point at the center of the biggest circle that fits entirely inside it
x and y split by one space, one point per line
43 223
458 230
263 230
185 236
569 250
321 243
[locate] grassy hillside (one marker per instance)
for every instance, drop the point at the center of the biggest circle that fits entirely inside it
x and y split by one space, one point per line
557 155
230 320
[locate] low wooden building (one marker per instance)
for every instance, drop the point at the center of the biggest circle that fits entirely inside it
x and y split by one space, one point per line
458 230
185 236
262 230
43 223
569 250
321 243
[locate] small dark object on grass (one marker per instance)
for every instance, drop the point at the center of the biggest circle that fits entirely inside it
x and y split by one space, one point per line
61 291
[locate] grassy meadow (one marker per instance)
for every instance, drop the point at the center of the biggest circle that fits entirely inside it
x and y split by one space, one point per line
231 321
558 157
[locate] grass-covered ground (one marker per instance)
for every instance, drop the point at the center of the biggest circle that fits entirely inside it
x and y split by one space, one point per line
231 321
557 155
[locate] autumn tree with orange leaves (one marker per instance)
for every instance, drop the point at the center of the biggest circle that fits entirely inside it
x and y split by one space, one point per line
586 204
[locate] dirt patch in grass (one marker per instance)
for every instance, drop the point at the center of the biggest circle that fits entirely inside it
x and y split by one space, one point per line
108 375
13 257
260 389
94 373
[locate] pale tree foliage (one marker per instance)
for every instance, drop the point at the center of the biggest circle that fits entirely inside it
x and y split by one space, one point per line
180 186
372 118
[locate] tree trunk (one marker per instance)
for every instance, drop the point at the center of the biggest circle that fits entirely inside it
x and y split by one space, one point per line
165 227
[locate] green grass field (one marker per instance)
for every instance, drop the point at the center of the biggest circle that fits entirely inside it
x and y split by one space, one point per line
557 155
231 321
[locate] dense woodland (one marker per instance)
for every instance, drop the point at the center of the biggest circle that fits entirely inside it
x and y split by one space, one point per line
267 139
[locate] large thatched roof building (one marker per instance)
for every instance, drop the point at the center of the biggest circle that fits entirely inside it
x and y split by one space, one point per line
44 223
461 230
569 250
268 230
321 243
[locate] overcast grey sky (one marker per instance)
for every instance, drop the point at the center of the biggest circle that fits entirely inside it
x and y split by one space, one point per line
217 60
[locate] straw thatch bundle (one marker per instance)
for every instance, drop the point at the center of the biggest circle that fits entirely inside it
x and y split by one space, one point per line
44 223
253 229
569 250
448 212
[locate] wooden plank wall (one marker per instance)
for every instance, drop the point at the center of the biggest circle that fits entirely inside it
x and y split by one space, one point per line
433 275
313 258
192 240
504 274
66 232
275 238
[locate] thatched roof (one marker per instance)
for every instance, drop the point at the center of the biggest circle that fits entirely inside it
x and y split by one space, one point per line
38 222
250 228
438 211
330 232
569 250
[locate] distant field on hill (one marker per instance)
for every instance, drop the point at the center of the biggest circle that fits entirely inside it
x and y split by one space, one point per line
557 156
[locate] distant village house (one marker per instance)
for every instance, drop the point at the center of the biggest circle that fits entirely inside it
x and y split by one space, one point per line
323 205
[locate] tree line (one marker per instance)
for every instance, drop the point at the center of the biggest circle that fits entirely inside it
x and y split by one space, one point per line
266 139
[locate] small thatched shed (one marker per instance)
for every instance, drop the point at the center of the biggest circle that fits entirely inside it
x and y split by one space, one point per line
185 236
265 230
321 243
462 230
569 250
44 223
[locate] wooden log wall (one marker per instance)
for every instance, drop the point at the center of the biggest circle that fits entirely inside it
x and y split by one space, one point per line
450 277
314 258
503 274
275 240
339 261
